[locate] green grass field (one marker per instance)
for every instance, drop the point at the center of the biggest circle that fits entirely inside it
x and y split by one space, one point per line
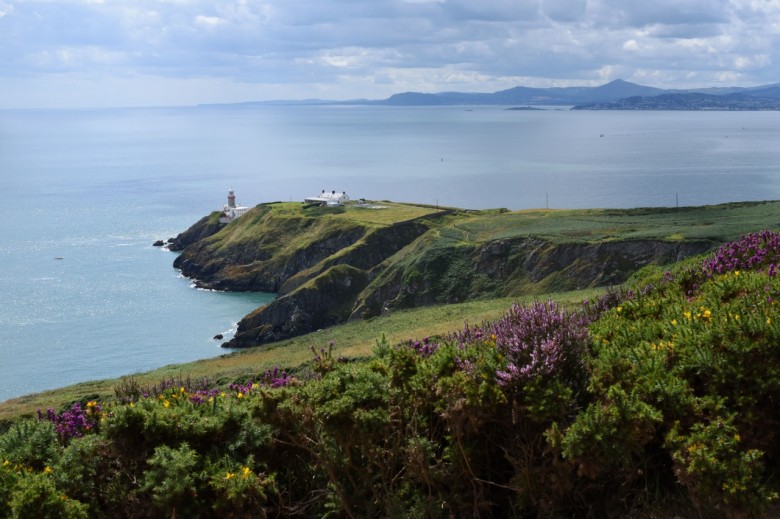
720 222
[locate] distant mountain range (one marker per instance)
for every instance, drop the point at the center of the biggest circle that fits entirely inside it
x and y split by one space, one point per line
615 95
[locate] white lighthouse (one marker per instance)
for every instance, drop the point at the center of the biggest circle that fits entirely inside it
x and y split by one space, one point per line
231 211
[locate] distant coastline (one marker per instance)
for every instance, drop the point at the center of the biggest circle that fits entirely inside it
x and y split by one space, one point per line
615 95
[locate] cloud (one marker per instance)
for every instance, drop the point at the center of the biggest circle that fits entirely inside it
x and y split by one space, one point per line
373 48
5 9
564 10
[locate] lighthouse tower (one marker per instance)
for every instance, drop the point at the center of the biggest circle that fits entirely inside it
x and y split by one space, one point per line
231 211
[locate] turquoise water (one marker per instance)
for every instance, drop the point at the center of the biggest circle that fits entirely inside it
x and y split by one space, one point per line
96 188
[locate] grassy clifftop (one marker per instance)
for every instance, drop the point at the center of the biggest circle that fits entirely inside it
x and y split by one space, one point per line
405 256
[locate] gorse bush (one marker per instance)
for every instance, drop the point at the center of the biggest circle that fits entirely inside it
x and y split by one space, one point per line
656 400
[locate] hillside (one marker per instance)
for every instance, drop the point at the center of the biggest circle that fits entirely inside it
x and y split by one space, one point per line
655 400
329 266
744 101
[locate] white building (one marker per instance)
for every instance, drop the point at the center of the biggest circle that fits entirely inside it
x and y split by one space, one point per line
231 211
331 199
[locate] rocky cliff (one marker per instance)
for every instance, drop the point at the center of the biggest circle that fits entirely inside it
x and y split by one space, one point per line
329 267
201 229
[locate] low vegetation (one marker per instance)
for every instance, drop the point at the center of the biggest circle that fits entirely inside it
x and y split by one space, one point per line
656 400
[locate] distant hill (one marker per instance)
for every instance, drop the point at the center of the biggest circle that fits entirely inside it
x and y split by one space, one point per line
764 99
612 91
615 95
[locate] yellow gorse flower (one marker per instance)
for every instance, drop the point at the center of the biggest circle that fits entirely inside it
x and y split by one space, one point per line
229 476
246 472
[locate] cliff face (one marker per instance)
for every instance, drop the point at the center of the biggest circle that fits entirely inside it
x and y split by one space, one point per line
261 250
457 273
203 228
330 267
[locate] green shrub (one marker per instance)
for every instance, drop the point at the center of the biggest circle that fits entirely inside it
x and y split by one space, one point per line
35 496
173 480
30 442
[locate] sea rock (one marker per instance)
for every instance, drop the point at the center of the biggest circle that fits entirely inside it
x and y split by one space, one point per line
219 337
158 243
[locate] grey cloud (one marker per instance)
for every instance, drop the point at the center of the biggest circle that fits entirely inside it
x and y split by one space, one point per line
493 10
564 10
686 30
666 12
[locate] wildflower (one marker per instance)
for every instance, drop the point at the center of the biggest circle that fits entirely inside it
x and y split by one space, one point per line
707 314
246 473
229 476
687 315
166 404
181 390
674 322
47 470
240 395
619 309
768 320
693 448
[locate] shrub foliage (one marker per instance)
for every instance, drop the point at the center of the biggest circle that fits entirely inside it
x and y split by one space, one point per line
657 400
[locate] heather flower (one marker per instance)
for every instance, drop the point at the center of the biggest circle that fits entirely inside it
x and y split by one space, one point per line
74 422
426 348
754 251
537 340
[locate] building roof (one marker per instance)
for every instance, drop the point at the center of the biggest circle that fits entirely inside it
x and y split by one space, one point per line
328 197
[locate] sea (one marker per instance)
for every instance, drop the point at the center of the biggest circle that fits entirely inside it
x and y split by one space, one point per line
84 294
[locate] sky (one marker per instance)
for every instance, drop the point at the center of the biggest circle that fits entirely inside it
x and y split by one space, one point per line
104 53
